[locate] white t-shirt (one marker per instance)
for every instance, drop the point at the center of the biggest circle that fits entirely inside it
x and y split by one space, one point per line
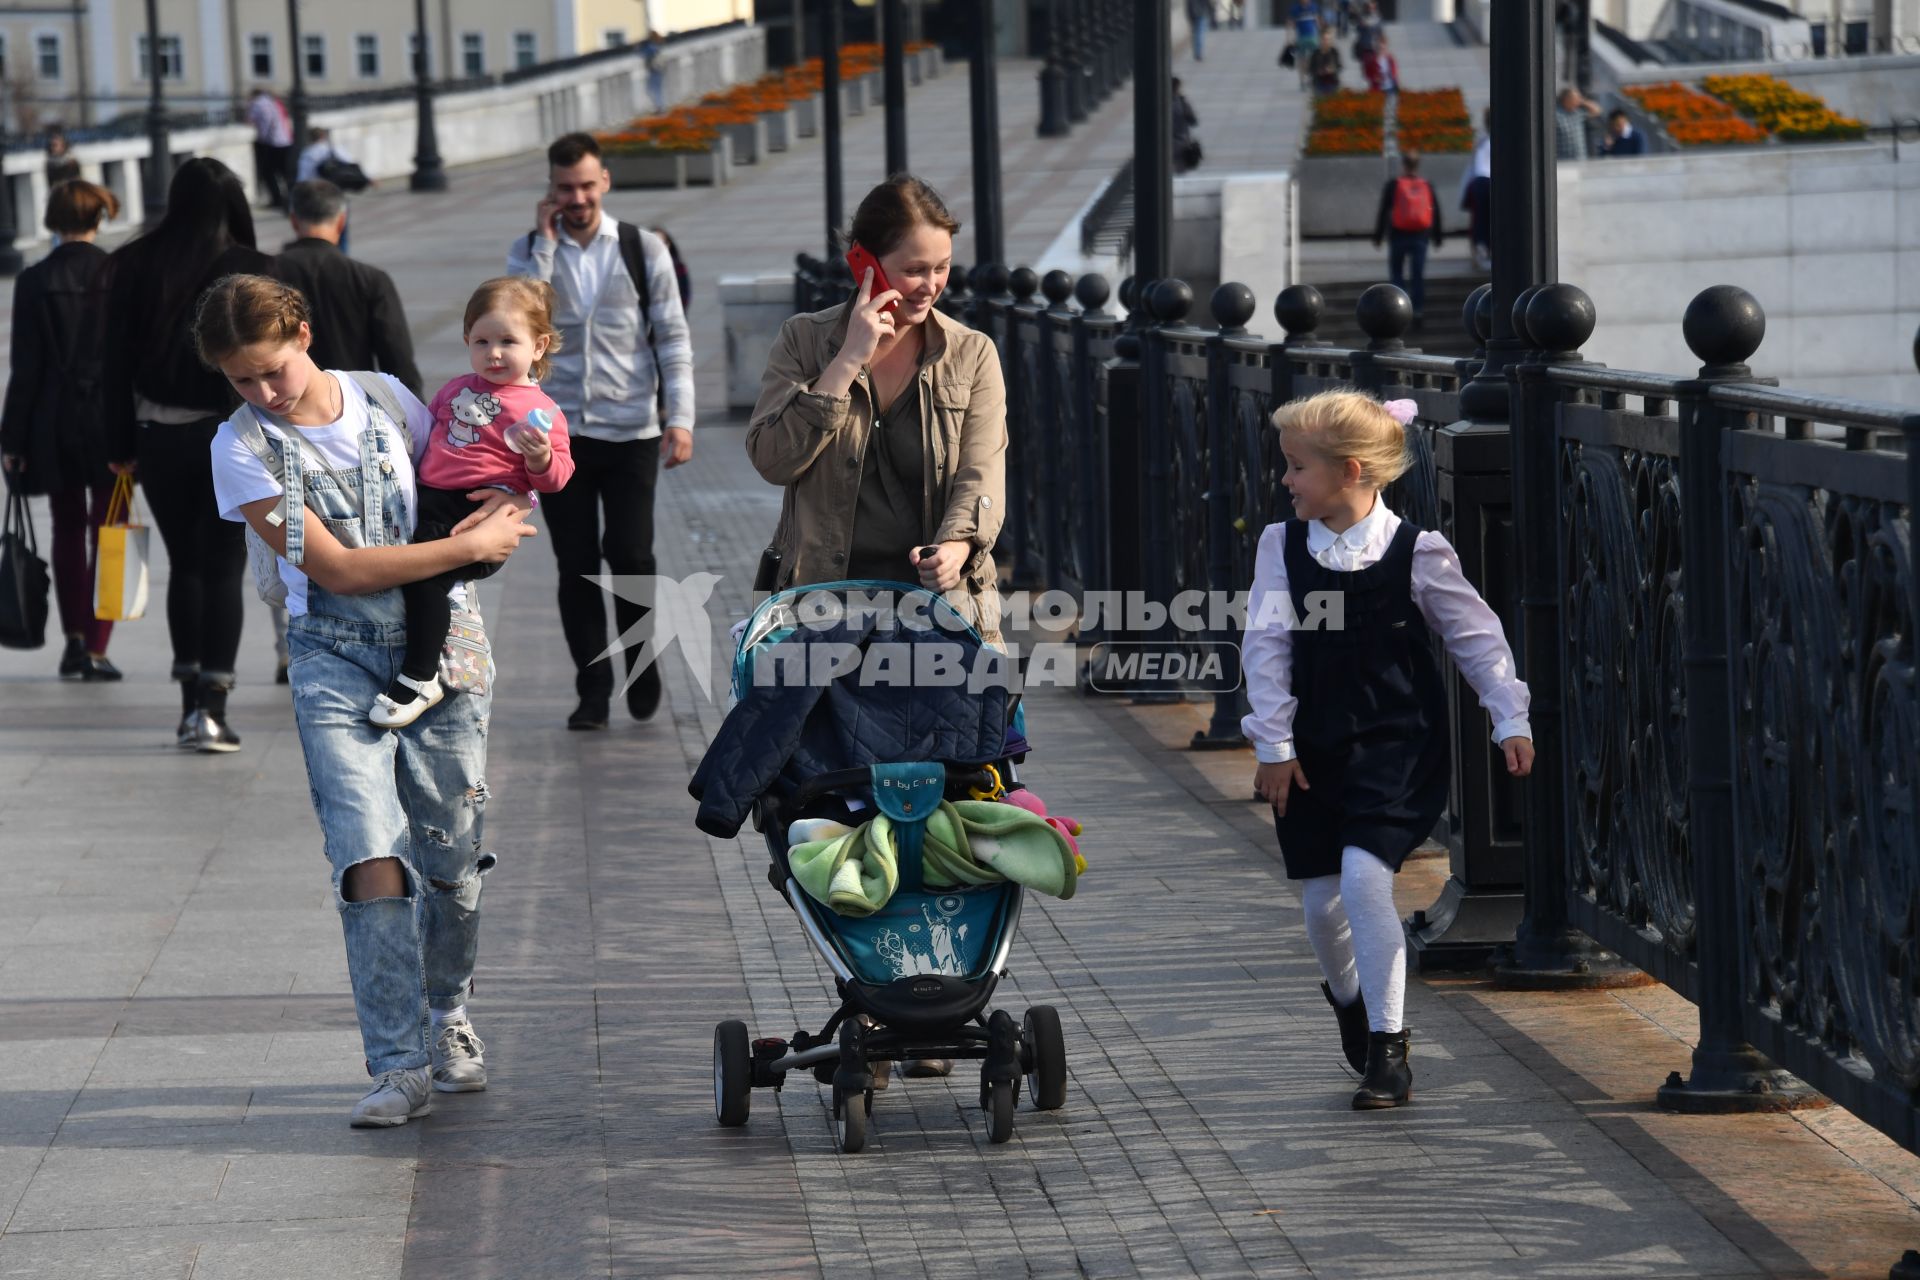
239 477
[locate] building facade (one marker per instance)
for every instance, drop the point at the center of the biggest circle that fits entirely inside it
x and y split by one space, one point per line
85 63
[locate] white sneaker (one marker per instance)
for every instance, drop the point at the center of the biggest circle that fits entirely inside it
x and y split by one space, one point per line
458 1062
396 1097
388 714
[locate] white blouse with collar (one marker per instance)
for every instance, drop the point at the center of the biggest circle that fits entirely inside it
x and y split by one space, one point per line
1470 630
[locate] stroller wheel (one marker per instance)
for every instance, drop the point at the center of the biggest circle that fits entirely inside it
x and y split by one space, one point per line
1046 1058
851 1120
732 1074
999 1108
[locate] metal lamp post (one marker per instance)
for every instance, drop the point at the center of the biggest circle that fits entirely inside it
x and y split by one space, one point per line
830 121
153 189
983 93
298 106
894 77
429 174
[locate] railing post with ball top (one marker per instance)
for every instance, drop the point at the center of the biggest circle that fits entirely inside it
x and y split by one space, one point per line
1723 326
1232 306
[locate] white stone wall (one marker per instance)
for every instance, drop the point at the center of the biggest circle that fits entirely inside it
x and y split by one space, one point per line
1826 237
484 124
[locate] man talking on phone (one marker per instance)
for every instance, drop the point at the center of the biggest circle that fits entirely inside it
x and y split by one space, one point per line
624 378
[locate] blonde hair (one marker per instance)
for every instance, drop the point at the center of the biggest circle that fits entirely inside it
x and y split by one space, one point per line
532 300
1340 425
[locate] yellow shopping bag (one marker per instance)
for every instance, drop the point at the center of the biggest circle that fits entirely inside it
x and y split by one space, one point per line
120 576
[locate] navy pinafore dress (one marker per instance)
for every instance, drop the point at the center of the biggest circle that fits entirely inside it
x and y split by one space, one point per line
1370 730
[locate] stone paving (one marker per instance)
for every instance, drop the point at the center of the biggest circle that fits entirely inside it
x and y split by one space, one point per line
177 1047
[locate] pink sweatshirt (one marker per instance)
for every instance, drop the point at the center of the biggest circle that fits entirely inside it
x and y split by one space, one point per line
467 448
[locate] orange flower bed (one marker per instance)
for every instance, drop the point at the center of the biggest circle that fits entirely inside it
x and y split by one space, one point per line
1695 120
1730 131
1349 107
1433 120
1346 140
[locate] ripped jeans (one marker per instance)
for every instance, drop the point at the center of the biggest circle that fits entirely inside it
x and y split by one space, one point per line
416 794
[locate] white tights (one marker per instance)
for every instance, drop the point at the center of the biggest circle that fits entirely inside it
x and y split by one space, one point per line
1355 932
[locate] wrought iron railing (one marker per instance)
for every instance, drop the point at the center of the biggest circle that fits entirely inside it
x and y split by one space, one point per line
1733 694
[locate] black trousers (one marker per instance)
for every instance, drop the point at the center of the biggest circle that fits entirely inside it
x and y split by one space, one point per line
429 612
614 483
206 556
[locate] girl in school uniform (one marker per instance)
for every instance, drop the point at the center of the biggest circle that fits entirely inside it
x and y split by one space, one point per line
1349 720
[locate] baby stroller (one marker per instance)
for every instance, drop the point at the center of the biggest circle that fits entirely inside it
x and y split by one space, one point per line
915 978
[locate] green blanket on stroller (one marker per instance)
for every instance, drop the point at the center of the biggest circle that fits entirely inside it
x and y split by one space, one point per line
855 870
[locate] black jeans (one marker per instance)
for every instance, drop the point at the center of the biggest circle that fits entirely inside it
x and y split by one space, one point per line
429 612
617 479
206 556
1407 265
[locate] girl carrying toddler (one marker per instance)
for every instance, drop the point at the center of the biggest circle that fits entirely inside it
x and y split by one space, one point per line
1349 720
492 429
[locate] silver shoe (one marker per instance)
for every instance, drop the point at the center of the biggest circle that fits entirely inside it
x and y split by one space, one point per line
458 1062
211 736
396 1097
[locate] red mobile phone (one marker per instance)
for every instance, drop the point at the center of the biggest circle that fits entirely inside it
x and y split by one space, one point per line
860 261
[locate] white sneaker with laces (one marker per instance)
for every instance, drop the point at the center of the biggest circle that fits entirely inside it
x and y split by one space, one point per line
388 714
458 1062
396 1097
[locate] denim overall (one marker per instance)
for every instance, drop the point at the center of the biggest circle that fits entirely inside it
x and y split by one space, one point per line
415 794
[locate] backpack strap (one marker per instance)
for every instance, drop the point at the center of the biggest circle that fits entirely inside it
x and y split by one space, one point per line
633 250
380 391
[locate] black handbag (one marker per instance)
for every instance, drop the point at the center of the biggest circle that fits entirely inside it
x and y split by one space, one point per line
23 579
344 174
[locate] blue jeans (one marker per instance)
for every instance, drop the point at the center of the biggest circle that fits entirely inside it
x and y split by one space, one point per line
1199 23
417 795
1407 265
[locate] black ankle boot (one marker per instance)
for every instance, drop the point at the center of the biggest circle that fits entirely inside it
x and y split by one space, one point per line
1353 1027
183 735
1389 1081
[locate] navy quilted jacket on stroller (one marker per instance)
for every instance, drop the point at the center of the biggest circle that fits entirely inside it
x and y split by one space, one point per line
783 732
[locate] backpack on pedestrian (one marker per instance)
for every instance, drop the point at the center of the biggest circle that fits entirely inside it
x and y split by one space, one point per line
1412 204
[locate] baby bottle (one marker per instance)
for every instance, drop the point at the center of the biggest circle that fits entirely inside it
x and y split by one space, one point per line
535 425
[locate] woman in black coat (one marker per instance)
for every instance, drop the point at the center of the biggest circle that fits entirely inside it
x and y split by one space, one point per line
52 437
162 408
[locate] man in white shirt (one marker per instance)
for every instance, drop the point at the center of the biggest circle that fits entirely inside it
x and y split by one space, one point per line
624 378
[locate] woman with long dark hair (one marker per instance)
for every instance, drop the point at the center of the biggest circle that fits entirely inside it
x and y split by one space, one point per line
162 409
52 437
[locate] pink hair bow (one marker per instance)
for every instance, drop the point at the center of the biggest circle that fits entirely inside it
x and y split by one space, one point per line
1403 411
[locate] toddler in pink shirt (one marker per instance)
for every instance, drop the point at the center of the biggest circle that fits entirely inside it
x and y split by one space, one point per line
492 429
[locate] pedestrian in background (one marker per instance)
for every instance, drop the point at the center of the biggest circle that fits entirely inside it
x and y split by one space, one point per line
272 144
62 164
1409 217
52 435
656 74
623 375
1622 138
1349 724
162 407
1570 115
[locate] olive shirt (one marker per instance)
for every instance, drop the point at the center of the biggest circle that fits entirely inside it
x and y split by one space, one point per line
815 446
886 521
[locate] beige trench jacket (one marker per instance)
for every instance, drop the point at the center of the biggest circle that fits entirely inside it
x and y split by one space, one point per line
814 446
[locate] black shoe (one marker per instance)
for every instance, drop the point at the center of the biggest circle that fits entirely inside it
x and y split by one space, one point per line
643 695
73 663
1389 1081
211 736
280 675
101 669
187 731
1353 1028
590 714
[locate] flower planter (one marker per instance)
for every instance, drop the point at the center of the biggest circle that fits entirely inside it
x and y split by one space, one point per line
1340 195
707 168
745 142
853 96
638 169
779 129
806 117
